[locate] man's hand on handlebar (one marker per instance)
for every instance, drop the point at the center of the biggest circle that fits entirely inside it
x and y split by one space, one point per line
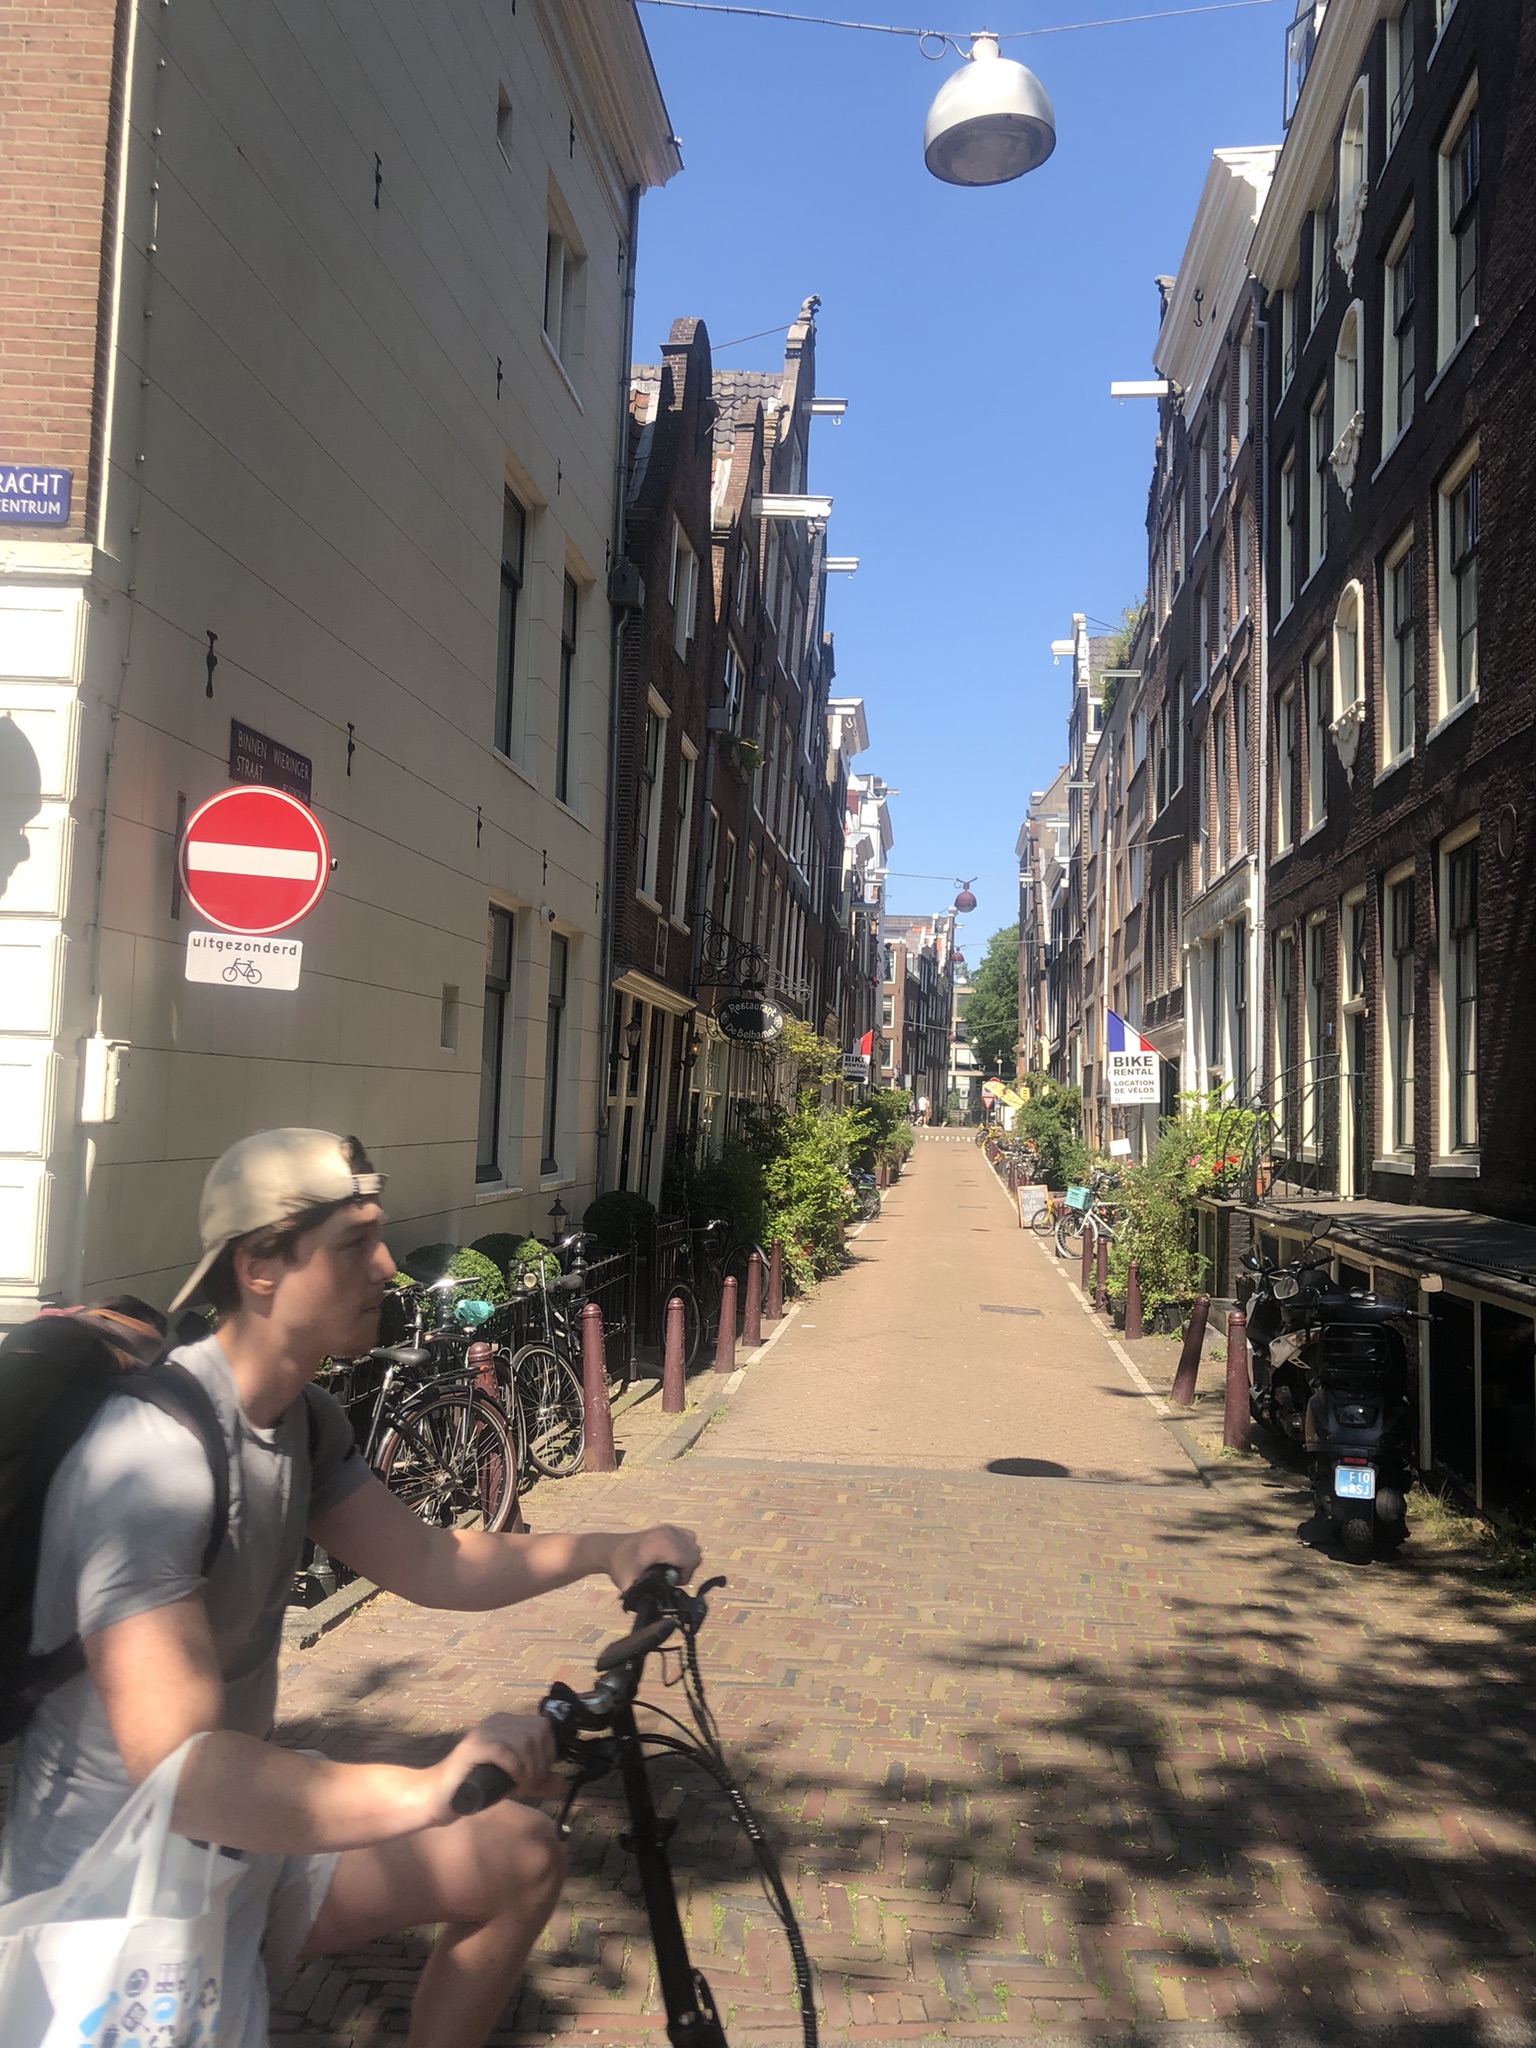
522 1745
634 1552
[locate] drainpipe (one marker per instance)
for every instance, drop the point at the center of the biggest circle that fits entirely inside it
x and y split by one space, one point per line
1260 953
615 693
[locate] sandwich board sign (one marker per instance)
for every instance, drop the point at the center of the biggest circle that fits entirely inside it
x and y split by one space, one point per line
1132 1061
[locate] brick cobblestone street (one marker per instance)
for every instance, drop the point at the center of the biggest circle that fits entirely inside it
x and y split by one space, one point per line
1082 1745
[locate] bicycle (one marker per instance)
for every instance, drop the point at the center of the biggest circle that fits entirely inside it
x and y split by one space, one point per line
865 1197
443 1446
1085 1209
1052 1209
540 1381
596 1733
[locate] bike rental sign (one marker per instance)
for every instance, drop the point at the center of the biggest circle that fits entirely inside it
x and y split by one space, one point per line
1132 1061
253 862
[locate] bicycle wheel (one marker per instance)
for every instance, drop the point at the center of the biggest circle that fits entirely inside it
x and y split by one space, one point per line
1069 1232
554 1416
453 1461
1043 1222
869 1205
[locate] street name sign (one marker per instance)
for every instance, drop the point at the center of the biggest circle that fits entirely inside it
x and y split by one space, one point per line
33 494
257 757
254 860
241 960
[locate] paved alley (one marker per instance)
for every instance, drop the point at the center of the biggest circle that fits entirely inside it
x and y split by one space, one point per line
1101 1751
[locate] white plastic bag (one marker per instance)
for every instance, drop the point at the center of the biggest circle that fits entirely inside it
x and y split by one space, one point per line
128 1952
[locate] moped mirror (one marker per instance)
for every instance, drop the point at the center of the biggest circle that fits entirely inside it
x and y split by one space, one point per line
1286 1285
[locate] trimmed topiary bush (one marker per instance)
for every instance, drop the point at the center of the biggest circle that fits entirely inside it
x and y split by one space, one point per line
481 1275
617 1218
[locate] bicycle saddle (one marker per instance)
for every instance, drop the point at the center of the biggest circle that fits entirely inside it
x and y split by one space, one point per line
415 1355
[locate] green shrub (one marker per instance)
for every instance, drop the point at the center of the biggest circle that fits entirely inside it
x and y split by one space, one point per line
429 1262
619 1218
1052 1120
730 1187
1199 1153
481 1275
880 1129
506 1250
804 1183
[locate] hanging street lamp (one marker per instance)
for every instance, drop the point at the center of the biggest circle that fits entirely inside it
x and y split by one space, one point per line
990 122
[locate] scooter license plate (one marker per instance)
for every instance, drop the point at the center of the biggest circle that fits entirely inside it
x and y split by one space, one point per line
1354 1482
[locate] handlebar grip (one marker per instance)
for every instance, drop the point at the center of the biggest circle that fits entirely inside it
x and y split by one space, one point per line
485 1784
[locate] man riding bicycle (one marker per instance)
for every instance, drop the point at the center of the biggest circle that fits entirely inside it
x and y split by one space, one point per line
335 1854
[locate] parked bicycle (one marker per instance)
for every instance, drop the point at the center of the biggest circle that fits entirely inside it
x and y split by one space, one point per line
1087 1209
596 1732
864 1194
540 1375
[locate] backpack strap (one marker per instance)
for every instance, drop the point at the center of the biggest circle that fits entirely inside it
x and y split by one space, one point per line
181 1395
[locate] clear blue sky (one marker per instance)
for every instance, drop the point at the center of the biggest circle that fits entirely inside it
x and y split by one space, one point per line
983 475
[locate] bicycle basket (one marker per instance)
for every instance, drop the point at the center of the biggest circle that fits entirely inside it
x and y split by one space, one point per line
1079 1198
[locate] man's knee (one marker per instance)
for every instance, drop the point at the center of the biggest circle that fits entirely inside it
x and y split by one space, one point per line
521 1857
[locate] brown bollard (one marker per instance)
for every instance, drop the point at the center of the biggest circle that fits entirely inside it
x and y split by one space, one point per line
594 1393
1087 1263
752 1308
672 1402
1133 1303
725 1342
882 1177
1236 1427
1183 1389
773 1308
1101 1273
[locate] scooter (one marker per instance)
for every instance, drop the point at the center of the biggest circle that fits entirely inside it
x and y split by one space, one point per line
1330 1369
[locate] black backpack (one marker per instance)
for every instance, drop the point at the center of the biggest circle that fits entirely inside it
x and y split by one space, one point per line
55 1373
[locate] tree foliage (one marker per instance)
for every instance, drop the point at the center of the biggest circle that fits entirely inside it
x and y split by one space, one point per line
992 1007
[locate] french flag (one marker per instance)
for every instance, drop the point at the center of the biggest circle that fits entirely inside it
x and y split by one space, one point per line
1122 1037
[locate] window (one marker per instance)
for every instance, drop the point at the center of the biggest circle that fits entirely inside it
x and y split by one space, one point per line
728 876
1397 349
1240 541
1321 448
1138 737
1285 769
1319 718
1197 479
564 286
1133 996
1223 598
1400 70
1219 797
1285 1033
1399 623
1200 854
1352 176
1288 552
682 589
491 1138
553 1026
681 827
735 688
1240 702
1458 230
567 673
514 533
1322 249
1398 1006
1346 368
1173 715
1240 1010
1287 338
1244 387
1203 628
1137 867
647 818
1217 1003
711 858
1458 977
1346 651
1458 587
1313 1023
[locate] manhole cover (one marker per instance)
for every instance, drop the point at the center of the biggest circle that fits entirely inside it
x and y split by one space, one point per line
1002 1308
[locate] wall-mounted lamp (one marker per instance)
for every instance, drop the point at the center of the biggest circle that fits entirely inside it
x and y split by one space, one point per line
633 1033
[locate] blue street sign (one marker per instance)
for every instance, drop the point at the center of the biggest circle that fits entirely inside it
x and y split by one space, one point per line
32 495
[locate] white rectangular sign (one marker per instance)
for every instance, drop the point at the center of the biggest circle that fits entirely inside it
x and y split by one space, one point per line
855 1067
237 960
1133 1077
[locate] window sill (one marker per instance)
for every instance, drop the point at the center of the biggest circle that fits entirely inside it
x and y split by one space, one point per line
678 925
1399 1162
1312 831
1450 718
565 376
1467 1166
1402 434
649 902
517 768
1397 761
1449 364
548 1183
494 1191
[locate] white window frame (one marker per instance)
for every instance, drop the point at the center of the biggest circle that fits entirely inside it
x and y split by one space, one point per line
649 844
1348 648
1286 754
1397 741
1396 1056
682 816
1348 383
1401 69
734 682
1320 715
565 266
1448 663
1319 449
1399 350
1242 700
1288 531
1451 335
1454 1146
682 590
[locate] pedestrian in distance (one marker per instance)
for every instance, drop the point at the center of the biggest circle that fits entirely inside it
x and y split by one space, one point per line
178 1645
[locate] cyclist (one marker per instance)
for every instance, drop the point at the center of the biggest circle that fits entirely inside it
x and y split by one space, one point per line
335 1854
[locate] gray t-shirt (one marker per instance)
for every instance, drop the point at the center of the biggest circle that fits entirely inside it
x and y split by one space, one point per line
124 1530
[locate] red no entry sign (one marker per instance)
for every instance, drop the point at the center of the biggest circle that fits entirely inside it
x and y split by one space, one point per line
254 860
